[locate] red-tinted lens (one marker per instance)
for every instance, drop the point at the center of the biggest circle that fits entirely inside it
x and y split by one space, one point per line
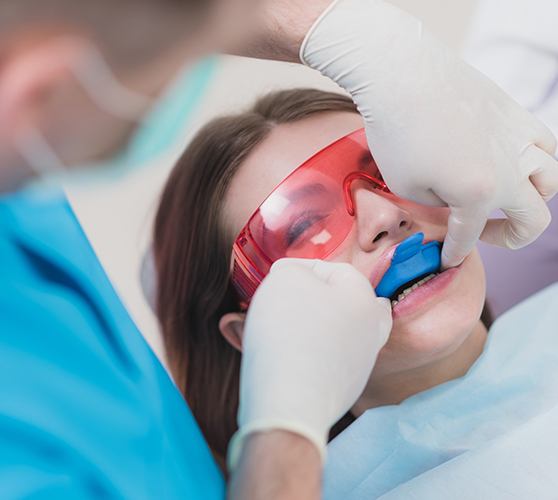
308 215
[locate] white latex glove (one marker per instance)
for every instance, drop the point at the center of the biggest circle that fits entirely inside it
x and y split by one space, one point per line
311 338
440 131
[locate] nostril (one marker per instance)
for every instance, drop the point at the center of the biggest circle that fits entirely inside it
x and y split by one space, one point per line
379 236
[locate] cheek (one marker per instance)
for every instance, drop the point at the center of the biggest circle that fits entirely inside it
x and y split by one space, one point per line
442 328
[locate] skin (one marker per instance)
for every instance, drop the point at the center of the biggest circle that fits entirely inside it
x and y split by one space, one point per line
38 89
290 460
433 343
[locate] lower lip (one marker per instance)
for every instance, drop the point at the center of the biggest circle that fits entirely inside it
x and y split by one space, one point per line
419 297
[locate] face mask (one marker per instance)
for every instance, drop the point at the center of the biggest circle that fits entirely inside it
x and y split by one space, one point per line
103 88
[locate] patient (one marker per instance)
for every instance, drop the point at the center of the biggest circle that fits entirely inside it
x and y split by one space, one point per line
222 178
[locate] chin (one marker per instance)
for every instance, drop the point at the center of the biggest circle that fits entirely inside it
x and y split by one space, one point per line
426 334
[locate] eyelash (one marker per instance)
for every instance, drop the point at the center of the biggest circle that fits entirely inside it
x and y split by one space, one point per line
294 232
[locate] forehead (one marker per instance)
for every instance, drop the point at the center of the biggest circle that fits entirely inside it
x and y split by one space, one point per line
281 152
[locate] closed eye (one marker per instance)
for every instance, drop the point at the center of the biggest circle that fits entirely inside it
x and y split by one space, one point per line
302 225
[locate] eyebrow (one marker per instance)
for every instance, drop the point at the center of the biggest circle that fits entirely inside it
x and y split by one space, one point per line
307 190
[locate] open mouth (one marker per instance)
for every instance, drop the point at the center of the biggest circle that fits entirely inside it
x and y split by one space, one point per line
409 287
413 263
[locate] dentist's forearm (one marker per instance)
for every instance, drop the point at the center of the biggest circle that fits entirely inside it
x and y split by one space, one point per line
280 29
277 465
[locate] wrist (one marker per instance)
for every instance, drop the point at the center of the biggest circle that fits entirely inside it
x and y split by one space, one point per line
374 27
280 464
368 47
270 425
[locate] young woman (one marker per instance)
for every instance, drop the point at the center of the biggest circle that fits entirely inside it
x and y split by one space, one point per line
226 173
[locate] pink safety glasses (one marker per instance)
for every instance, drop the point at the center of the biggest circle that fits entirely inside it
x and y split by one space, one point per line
308 215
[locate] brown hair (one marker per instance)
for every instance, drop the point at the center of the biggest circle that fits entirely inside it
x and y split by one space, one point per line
192 251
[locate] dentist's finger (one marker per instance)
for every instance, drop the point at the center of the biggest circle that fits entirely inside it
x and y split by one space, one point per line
465 225
339 274
343 275
546 140
543 170
524 223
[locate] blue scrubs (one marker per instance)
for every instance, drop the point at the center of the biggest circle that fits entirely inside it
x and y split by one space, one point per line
86 409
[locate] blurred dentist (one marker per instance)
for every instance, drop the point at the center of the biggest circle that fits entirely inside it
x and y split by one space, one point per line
75 78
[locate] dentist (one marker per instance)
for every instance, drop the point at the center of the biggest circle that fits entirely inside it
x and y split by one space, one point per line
86 410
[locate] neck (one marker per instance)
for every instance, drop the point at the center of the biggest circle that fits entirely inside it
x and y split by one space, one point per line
396 387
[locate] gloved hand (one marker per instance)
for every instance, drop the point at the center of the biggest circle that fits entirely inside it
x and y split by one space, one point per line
312 334
440 131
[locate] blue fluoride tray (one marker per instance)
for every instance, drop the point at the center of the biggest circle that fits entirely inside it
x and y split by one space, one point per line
412 259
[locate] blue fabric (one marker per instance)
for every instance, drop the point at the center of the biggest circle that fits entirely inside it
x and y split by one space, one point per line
521 464
490 434
86 409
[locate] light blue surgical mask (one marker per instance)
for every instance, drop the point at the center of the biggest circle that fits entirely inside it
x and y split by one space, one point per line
159 122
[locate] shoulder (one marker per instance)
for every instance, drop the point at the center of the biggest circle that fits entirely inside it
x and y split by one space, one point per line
83 397
61 351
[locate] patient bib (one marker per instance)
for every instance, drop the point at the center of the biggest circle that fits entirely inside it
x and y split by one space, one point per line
490 434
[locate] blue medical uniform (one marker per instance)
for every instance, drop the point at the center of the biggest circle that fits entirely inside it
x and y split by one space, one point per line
86 409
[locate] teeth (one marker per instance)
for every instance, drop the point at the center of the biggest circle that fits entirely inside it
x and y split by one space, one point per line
407 291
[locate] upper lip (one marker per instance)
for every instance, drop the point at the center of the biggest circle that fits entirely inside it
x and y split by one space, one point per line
384 262
382 265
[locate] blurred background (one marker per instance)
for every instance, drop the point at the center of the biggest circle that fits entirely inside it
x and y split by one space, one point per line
116 208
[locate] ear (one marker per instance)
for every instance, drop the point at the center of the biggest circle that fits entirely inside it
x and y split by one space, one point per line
231 326
29 72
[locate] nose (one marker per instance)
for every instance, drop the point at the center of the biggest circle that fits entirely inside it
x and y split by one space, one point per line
380 221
